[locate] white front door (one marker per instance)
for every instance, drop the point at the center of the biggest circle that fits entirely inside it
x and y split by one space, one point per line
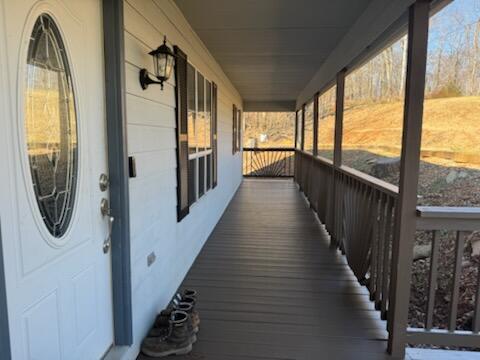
52 153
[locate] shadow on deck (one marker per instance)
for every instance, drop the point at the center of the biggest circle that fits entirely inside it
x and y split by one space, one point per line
270 287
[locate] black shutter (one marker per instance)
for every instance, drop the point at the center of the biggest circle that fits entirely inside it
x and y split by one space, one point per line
302 140
239 129
181 133
296 129
214 132
234 130
315 125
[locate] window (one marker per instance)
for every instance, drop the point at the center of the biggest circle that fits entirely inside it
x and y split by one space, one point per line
196 108
373 114
208 132
192 109
214 135
239 129
326 123
308 128
200 134
51 126
234 129
208 115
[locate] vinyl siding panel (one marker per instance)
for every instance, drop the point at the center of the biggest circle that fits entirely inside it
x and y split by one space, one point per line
151 140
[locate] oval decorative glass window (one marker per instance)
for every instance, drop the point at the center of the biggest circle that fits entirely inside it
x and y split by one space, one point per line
51 125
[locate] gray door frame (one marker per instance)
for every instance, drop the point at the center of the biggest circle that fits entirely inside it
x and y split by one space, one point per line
113 29
4 328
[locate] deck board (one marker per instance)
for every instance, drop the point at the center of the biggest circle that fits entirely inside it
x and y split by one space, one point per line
270 287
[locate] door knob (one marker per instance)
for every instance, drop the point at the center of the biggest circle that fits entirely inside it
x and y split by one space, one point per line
104 207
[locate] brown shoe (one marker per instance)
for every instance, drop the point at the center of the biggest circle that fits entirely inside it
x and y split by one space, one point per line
178 340
189 297
161 325
189 309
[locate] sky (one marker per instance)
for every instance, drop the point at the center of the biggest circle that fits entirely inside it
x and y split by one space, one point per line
452 21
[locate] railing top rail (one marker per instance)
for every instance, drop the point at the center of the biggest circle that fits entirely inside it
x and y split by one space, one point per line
380 185
323 161
320 159
269 149
377 184
451 212
448 218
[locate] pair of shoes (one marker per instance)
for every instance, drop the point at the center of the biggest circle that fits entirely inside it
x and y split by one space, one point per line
175 328
177 340
186 302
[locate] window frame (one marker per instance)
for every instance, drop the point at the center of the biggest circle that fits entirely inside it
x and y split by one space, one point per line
199 152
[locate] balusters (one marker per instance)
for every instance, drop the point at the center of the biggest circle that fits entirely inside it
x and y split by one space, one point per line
432 280
387 260
269 162
476 319
460 242
382 231
360 216
374 250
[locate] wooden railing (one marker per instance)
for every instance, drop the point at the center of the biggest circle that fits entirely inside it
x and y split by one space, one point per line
441 221
358 211
268 162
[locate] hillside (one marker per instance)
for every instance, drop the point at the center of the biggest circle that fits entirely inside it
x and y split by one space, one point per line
451 129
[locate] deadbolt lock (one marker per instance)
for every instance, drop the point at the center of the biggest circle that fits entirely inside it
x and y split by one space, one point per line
104 182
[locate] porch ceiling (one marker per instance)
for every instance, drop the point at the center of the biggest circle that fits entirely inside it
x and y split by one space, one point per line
270 49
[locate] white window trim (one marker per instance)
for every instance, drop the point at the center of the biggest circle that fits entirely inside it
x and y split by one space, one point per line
203 153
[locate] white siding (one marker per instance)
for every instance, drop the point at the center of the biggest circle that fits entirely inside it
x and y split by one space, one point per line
151 140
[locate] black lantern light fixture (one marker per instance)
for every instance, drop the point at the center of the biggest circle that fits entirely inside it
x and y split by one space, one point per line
163 58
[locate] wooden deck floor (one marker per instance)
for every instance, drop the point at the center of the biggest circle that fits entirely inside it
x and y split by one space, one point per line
270 287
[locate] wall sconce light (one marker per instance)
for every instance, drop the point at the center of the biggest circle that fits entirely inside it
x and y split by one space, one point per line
163 58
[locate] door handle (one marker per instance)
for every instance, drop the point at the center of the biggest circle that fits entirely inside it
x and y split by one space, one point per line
107 243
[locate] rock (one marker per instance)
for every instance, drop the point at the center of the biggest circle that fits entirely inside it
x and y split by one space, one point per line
451 177
468 319
421 252
383 167
462 175
474 239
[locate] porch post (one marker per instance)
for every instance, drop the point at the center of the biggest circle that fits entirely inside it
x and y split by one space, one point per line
315 124
405 224
296 130
337 154
339 104
302 140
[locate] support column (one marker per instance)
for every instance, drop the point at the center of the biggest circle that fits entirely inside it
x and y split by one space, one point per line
302 140
339 104
337 156
315 125
405 215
